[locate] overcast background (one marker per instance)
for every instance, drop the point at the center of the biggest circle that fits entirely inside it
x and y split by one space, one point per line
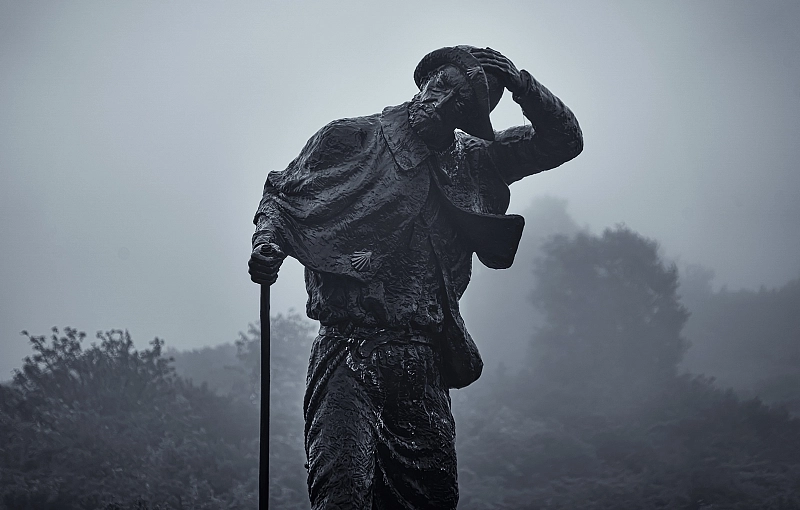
135 139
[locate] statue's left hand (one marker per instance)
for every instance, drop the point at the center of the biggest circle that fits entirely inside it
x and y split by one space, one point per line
493 60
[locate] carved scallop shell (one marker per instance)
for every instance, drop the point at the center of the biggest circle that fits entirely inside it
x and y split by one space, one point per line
361 260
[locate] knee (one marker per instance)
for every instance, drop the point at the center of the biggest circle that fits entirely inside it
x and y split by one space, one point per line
340 477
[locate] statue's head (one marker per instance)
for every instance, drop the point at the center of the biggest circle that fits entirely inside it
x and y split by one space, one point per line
455 92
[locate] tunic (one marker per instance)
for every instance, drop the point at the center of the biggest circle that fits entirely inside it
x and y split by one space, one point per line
378 420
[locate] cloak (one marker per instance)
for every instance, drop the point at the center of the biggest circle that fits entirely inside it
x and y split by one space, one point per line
351 196
358 185
349 200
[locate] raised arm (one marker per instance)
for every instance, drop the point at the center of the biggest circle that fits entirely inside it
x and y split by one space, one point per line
554 136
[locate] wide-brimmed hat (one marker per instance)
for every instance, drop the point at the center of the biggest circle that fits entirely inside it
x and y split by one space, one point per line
486 96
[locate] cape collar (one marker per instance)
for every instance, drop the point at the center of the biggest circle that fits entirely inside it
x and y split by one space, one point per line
406 146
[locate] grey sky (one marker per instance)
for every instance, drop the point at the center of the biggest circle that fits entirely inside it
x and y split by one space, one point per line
135 138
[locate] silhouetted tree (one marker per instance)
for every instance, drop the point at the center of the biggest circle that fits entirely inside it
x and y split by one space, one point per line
612 316
603 420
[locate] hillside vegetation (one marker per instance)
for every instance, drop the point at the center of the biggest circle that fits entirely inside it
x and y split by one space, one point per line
599 415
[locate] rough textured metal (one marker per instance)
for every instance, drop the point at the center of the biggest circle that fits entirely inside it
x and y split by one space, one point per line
379 432
385 213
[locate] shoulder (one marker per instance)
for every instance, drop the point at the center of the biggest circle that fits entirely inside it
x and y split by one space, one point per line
339 139
348 130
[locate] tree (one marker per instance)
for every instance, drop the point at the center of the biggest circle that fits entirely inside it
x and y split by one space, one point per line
109 377
603 420
85 428
612 317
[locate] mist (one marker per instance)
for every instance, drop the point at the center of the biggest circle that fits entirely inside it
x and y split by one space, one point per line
134 144
610 371
135 140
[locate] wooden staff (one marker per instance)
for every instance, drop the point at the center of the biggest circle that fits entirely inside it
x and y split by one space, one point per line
263 454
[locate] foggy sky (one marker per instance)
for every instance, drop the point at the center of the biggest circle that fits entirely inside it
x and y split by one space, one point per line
135 139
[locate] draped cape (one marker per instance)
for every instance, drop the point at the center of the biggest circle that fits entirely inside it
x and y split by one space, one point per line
350 198
358 184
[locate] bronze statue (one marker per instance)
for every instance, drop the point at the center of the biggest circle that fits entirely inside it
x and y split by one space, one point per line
385 212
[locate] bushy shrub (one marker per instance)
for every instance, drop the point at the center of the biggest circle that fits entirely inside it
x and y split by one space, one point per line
83 428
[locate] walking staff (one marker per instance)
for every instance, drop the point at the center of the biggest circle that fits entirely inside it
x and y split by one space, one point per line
263 453
263 269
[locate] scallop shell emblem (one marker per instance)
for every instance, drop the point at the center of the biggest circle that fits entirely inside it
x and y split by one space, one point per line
361 260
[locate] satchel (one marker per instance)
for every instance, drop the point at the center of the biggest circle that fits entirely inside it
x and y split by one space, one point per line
461 362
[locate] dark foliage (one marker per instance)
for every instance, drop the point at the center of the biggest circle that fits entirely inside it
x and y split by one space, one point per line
612 319
600 418
110 426
604 421
84 428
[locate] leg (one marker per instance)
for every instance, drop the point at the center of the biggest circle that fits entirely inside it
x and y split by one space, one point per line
340 444
379 431
416 461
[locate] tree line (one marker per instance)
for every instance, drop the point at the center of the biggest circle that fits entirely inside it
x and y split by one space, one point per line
600 415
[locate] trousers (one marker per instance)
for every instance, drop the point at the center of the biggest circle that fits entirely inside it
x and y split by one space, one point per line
379 431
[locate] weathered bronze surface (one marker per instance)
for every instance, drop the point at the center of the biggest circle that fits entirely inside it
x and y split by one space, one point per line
385 212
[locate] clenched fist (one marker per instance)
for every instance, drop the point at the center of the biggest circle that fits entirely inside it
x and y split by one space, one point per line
265 261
